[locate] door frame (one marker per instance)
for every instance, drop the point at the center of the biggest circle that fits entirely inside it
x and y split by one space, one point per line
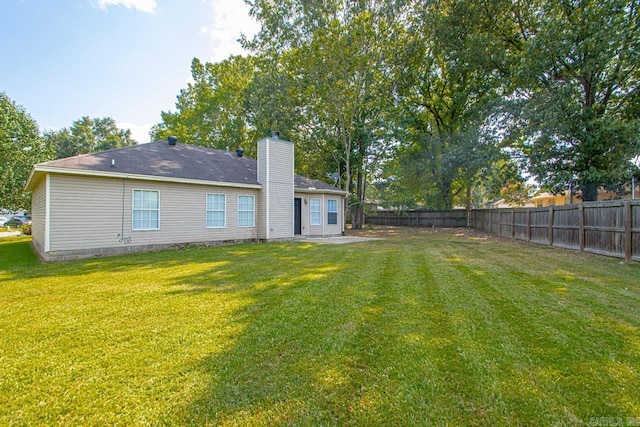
297 216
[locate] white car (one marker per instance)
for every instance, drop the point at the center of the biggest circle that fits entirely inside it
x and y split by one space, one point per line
3 220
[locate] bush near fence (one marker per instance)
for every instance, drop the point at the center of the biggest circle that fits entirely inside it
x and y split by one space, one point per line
608 228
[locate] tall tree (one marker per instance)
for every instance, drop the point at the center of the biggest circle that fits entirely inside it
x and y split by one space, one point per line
445 97
20 148
88 136
577 91
212 110
335 58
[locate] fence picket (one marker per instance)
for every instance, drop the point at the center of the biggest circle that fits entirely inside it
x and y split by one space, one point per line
609 228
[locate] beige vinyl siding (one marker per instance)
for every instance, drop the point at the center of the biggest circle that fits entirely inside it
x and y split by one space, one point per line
304 212
88 213
338 228
261 200
38 215
317 230
324 229
84 212
281 190
275 173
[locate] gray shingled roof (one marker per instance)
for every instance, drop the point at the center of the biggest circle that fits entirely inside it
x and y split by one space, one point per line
179 161
303 183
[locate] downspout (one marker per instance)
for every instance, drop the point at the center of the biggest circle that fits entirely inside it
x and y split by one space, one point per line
47 214
342 218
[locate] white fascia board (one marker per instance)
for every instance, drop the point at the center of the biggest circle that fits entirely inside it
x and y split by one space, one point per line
320 191
30 178
101 174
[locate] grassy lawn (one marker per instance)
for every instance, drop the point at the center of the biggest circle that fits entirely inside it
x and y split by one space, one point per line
422 328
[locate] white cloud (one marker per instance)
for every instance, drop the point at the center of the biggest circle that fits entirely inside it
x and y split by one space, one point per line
138 132
148 6
229 20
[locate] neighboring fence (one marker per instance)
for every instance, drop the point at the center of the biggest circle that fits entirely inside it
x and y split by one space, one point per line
417 218
606 228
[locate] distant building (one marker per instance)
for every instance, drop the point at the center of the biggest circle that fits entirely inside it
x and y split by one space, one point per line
547 199
502 204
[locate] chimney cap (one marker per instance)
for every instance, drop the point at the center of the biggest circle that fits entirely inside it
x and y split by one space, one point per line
240 151
172 140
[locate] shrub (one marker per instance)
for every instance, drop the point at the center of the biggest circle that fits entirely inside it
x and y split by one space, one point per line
26 229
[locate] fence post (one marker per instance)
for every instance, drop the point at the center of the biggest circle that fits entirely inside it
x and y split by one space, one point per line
528 225
550 225
581 226
627 230
499 224
513 224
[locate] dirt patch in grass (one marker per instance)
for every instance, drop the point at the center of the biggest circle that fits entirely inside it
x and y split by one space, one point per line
421 232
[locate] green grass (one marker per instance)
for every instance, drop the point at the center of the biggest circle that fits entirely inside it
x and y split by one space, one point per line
422 328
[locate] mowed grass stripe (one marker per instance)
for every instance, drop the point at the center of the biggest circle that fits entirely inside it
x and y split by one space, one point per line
563 340
444 328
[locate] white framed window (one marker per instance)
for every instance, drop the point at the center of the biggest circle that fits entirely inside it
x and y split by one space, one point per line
332 211
315 217
216 211
145 210
246 211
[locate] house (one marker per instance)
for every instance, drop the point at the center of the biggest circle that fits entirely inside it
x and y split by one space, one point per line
544 199
162 194
503 204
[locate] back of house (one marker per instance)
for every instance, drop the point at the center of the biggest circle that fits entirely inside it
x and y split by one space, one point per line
162 194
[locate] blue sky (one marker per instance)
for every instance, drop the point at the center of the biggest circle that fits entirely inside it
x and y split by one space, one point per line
125 59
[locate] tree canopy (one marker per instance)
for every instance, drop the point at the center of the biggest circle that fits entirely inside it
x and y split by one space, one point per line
431 103
20 148
87 135
212 110
576 96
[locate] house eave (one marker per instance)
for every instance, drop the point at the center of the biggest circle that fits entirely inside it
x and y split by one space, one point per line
320 191
39 169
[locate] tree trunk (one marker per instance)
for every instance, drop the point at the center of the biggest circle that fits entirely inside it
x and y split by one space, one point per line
445 201
589 192
468 205
357 218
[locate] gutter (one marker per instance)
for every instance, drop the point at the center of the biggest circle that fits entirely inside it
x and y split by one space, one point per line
83 172
320 191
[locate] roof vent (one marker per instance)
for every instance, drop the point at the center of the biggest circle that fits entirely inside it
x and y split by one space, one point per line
275 134
172 140
240 151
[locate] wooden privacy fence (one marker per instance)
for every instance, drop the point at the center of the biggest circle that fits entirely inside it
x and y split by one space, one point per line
607 228
417 218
